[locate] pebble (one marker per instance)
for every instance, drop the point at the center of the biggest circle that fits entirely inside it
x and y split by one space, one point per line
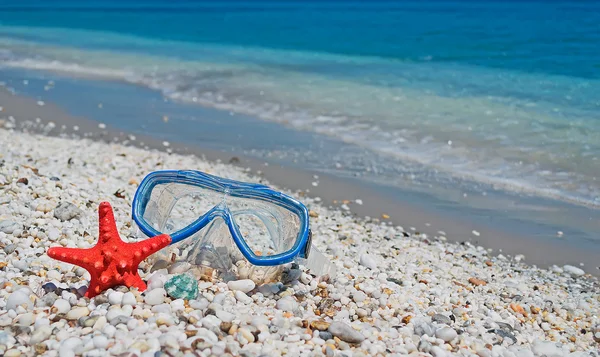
77 312
423 328
245 285
26 319
394 293
446 333
69 346
100 342
573 271
12 353
18 298
546 349
40 334
53 234
9 227
129 299
345 332
66 211
368 261
287 303
115 298
243 298
155 297
62 306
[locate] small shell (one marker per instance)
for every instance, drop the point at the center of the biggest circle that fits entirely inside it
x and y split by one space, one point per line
182 286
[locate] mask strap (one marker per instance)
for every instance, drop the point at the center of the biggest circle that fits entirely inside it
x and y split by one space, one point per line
318 263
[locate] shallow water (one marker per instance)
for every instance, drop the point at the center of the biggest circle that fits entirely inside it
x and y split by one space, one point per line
444 95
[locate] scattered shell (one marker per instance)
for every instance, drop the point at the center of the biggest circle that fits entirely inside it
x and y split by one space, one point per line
182 286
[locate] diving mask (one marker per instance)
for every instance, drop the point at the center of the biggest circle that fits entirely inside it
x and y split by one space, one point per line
232 229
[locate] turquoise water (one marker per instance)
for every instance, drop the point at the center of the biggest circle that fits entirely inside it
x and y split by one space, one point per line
504 94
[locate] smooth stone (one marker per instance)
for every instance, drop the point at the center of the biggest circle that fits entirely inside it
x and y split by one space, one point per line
345 332
368 261
8 227
66 211
12 353
88 321
442 319
359 296
573 271
53 234
287 303
62 306
100 341
546 348
424 328
165 319
77 313
51 296
120 319
446 333
40 334
26 319
113 313
18 298
225 316
129 299
211 322
67 347
9 249
243 298
325 335
155 297
245 285
115 298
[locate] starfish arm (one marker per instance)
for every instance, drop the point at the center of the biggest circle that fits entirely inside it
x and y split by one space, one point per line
77 256
107 227
94 288
134 281
142 250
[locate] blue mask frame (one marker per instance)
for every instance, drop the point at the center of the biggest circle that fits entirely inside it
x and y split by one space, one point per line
300 249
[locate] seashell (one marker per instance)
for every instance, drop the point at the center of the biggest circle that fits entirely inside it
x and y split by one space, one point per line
182 286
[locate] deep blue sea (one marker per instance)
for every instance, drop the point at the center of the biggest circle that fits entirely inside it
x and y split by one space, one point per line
497 93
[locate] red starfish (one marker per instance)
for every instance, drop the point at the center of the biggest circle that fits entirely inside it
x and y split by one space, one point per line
111 261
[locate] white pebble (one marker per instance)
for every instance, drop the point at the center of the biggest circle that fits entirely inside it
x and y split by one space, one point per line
155 297
446 333
573 271
100 341
245 285
18 298
287 303
62 306
368 261
242 297
77 312
115 298
129 299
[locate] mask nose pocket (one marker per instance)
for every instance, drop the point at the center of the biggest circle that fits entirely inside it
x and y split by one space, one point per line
212 247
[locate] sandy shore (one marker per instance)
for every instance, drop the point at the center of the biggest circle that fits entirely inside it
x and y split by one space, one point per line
395 293
413 212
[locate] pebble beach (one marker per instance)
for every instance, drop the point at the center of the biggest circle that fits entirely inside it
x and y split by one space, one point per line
396 292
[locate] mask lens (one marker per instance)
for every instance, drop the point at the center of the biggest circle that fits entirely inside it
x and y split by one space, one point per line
174 206
267 229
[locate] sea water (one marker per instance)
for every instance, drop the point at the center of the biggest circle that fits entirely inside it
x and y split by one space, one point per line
486 94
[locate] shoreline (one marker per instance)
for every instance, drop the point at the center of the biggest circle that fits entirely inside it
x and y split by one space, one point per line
333 191
394 294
